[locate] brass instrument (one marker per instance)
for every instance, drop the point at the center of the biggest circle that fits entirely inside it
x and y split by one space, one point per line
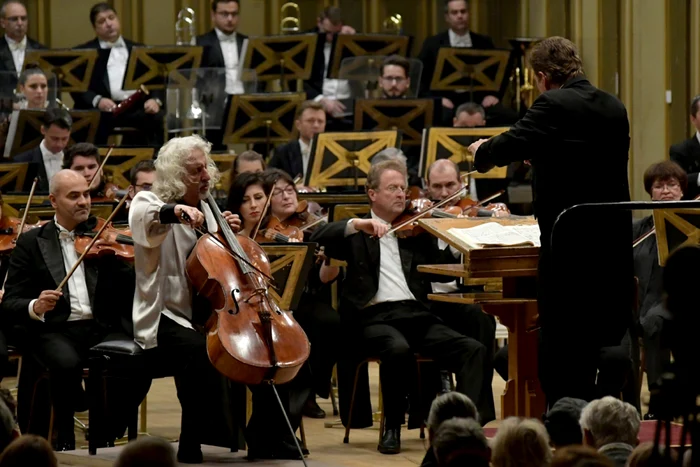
290 23
185 28
528 87
393 24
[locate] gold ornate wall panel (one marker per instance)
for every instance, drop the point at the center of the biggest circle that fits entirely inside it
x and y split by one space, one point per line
694 64
678 68
609 45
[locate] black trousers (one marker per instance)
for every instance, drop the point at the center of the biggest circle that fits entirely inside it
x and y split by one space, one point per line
402 329
4 356
469 320
63 349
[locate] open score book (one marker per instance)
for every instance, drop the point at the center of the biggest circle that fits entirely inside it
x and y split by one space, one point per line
493 234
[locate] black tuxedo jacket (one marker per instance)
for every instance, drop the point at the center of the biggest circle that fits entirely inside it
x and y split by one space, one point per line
429 54
99 83
362 253
647 268
212 56
7 63
687 155
36 264
36 168
288 158
563 128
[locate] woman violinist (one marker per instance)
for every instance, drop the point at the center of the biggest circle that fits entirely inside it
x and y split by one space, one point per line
85 159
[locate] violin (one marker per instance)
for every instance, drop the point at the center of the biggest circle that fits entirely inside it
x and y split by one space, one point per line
111 241
9 232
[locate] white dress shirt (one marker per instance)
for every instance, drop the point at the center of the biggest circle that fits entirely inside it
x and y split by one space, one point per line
460 41
18 49
392 286
333 88
229 48
446 287
305 155
77 286
52 162
116 68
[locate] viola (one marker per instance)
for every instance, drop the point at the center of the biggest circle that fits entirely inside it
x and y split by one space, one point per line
111 241
9 231
280 232
250 339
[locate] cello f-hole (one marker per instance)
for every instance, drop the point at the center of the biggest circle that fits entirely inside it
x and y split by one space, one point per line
235 301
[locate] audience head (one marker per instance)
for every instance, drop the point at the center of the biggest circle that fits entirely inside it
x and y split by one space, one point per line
148 451
443 180
579 456
609 420
645 456
395 79
469 115
247 198
8 426
284 200
142 177
695 112
84 158
330 21
34 85
56 129
185 170
457 15
389 154
14 20
562 422
555 60
386 189
310 120
28 450
521 442
459 442
247 161
224 15
447 406
105 21
665 181
69 194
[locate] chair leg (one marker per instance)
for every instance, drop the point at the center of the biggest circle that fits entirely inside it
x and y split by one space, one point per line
143 428
382 419
334 384
51 420
302 433
346 439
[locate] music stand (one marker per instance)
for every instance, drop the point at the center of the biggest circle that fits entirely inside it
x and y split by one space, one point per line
27 129
73 68
283 57
358 45
410 116
262 118
453 144
343 159
290 265
13 174
458 68
675 228
151 66
122 160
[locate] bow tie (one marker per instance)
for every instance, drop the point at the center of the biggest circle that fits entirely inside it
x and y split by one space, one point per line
17 46
229 38
64 235
112 45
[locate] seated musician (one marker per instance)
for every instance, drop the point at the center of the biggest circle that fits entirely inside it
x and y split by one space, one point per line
46 159
687 152
247 197
85 159
34 87
167 315
141 178
395 79
293 157
106 87
384 303
469 115
247 161
63 325
15 42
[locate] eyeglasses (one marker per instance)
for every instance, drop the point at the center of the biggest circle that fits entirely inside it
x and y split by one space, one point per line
226 14
290 191
393 189
145 186
669 185
397 79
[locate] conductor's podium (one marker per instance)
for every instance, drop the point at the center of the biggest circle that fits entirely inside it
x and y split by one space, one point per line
515 304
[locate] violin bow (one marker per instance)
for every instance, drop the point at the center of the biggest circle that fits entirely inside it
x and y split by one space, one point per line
102 166
254 233
92 242
23 221
486 200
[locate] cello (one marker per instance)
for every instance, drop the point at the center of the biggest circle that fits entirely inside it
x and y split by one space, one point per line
250 340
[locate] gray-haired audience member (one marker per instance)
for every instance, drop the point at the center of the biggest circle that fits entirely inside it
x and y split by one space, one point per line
444 407
521 442
387 154
8 430
28 450
562 422
461 442
612 427
147 452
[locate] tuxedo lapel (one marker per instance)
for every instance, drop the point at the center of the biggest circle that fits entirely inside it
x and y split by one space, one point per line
91 276
239 42
296 163
6 55
53 256
373 251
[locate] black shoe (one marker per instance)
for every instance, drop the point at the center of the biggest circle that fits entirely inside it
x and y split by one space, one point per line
190 453
391 441
289 444
312 410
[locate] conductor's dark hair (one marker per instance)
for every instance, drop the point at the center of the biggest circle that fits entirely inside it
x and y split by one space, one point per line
98 8
447 4
557 58
333 14
215 4
665 171
695 105
245 156
397 60
80 149
58 117
143 166
239 186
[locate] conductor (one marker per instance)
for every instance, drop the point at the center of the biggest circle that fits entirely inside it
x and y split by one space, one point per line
583 306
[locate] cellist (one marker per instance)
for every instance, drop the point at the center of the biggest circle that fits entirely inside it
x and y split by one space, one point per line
166 312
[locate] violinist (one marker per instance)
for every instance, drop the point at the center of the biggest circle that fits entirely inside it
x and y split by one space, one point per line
247 198
34 86
166 313
247 161
63 325
384 306
84 158
141 178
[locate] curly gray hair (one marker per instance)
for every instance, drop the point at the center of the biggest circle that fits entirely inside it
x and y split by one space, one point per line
170 166
609 420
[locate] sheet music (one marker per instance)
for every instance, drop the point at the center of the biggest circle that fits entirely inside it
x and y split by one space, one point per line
491 234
